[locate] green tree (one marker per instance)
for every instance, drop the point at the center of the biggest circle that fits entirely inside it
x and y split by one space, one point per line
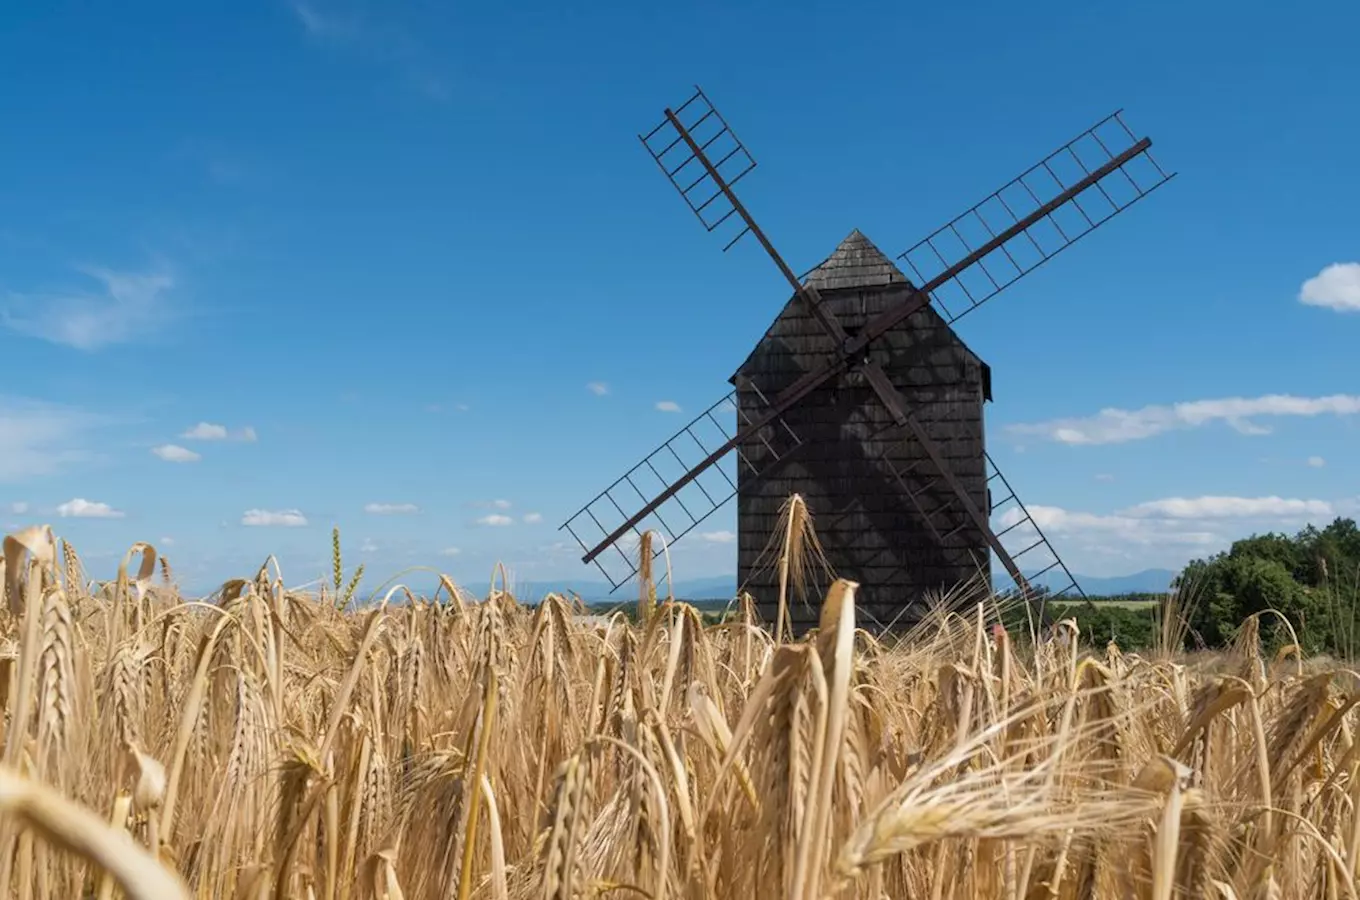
1296 577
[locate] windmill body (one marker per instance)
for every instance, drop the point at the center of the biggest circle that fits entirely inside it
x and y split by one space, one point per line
852 455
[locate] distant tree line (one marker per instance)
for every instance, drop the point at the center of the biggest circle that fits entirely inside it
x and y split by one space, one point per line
1310 580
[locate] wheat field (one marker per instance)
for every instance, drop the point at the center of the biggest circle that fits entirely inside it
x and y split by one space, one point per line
267 742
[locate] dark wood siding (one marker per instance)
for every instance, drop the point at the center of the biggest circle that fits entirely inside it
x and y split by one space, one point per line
870 531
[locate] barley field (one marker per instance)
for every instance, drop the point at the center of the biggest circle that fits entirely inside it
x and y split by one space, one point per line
266 742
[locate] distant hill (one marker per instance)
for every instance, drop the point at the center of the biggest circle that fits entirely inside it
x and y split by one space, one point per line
723 587
1148 581
716 587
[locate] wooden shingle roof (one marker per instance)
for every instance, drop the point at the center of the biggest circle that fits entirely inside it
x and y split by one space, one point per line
861 272
856 263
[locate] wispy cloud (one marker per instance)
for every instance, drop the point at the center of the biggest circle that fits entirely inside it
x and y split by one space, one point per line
1316 462
598 388
1116 426
209 431
206 431
263 518
175 453
669 406
220 164
1335 287
129 306
718 537
496 520
38 438
390 509
382 41
1169 531
1230 508
80 508
18 507
450 551
533 518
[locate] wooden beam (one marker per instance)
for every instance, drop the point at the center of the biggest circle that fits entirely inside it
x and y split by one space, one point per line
897 408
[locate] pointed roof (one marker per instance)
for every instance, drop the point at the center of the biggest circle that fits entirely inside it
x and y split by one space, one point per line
856 263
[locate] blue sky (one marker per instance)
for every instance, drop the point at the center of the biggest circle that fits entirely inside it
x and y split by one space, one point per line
268 262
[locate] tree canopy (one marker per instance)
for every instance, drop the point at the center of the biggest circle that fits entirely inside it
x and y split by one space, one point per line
1309 578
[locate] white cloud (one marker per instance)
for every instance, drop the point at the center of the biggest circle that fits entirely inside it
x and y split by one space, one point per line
669 406
262 518
1089 540
206 431
383 41
450 551
1230 507
18 507
175 453
368 546
1164 533
209 431
501 504
390 509
167 542
323 24
496 520
1115 426
127 308
80 508
1335 287
533 518
718 537
1317 462
598 388
38 438
1104 476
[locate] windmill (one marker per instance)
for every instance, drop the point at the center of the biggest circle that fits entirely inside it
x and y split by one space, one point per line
860 396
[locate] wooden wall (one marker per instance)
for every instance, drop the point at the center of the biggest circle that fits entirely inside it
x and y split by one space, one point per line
867 526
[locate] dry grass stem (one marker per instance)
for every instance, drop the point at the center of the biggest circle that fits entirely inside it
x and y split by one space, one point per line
275 742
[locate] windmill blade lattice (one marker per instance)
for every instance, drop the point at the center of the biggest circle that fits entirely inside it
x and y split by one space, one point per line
943 506
1010 521
1016 527
703 159
1035 216
690 484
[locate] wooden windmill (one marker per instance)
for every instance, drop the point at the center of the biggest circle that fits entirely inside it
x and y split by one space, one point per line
860 396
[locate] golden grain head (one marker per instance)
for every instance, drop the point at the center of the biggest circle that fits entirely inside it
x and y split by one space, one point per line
287 743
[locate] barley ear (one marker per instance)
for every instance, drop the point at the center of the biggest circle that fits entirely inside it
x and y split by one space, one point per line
78 830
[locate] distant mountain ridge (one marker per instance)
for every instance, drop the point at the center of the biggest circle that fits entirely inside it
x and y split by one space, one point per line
1148 581
724 587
